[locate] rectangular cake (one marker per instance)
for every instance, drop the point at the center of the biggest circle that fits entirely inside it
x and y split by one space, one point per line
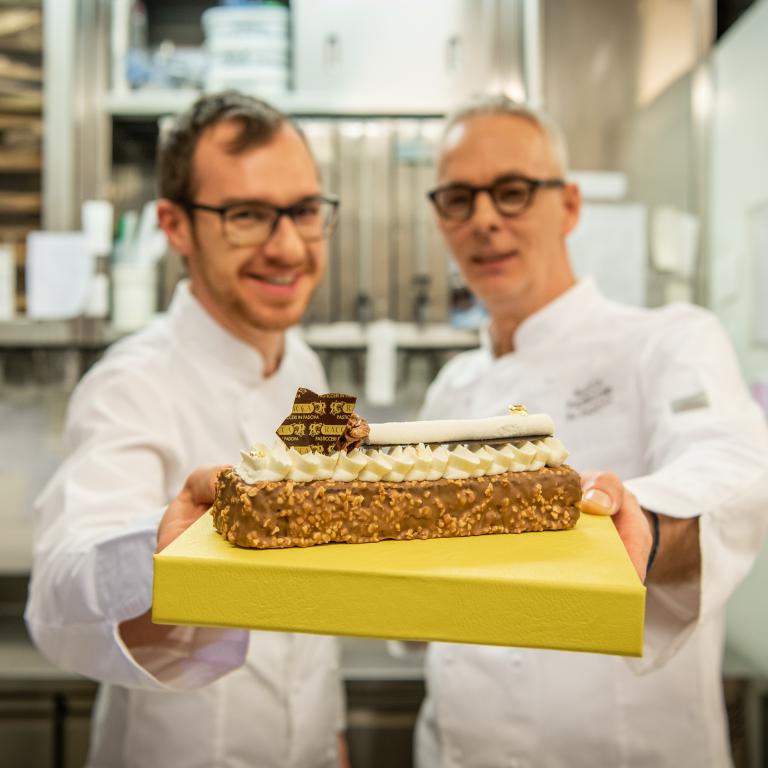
463 478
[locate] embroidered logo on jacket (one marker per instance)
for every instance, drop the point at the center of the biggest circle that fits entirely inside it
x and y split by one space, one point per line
588 399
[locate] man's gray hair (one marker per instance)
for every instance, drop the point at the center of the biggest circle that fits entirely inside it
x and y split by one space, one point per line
500 104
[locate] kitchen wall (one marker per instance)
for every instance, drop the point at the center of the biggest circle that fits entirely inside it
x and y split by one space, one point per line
739 185
738 232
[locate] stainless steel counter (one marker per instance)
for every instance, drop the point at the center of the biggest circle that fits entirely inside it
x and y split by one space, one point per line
361 659
45 712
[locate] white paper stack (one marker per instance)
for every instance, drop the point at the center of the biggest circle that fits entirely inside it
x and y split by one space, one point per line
59 274
248 48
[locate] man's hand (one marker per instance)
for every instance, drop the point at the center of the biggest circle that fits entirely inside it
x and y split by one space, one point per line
605 494
343 750
193 500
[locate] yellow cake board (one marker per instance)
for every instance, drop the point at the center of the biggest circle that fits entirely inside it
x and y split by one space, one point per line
572 590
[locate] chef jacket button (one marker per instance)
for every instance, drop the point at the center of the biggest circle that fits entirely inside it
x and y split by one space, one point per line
517 660
515 763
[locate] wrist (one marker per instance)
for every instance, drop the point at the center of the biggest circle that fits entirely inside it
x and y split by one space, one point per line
653 522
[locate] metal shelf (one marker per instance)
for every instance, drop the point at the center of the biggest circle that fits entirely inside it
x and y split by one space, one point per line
23 333
56 334
14 162
150 103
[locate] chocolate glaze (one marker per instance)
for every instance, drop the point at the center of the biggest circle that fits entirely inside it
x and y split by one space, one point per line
278 514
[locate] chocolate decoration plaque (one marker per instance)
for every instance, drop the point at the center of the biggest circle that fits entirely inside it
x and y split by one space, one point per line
317 422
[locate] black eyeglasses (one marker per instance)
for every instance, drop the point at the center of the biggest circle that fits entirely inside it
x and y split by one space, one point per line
253 223
510 195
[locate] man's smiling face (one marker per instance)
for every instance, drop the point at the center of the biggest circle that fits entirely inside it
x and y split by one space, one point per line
520 259
265 287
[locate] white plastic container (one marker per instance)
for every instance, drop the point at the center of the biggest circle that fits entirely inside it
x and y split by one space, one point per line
7 283
98 302
225 22
258 80
239 56
97 217
249 48
275 46
134 299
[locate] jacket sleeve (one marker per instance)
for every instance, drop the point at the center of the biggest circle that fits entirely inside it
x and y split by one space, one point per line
707 453
95 535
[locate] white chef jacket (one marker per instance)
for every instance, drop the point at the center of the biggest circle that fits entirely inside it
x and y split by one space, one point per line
654 396
180 394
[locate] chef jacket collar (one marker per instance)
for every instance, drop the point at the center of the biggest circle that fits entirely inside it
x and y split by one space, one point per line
553 319
204 337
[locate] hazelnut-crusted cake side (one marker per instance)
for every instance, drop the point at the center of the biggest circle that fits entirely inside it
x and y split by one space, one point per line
277 514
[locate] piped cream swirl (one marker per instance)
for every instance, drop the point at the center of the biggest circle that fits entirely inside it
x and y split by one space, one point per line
409 462
262 463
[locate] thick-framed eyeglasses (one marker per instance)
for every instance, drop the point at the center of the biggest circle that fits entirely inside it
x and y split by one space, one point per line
510 195
253 222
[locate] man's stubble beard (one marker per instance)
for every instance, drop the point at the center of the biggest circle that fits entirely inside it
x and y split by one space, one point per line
233 305
263 322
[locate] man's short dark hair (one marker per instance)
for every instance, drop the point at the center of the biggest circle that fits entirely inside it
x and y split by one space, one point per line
259 122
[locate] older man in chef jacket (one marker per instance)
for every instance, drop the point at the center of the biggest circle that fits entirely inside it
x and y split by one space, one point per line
654 399
241 201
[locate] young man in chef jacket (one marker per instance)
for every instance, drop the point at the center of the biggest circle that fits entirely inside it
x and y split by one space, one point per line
652 398
241 201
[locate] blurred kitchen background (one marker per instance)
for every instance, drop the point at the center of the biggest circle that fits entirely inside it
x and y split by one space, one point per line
665 107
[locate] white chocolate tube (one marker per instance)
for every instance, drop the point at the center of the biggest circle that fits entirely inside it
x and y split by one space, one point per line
455 430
